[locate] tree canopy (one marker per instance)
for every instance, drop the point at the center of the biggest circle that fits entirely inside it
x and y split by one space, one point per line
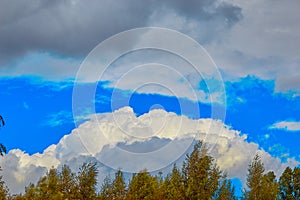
199 178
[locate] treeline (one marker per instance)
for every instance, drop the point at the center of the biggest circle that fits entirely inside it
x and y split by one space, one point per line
199 178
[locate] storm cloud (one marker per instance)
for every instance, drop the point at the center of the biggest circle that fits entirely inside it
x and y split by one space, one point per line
73 28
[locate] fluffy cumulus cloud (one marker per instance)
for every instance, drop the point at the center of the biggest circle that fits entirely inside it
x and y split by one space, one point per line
286 125
154 141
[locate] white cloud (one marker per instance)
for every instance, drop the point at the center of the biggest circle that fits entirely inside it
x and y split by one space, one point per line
121 140
286 125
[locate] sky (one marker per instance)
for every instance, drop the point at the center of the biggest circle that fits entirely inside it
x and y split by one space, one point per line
132 84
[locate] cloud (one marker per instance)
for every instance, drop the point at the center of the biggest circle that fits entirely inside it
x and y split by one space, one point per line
60 118
55 49
144 71
154 140
286 125
73 28
46 65
272 55
20 169
25 105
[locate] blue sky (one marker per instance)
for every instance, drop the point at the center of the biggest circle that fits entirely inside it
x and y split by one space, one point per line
55 76
39 113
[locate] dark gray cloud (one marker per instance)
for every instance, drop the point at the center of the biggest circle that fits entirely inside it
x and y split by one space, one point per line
207 10
74 27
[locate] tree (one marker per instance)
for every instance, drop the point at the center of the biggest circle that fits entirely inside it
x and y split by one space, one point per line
106 189
30 193
142 187
296 180
113 190
270 187
48 188
226 191
3 189
200 173
87 181
118 187
173 185
53 180
254 179
67 183
2 147
260 185
2 123
289 184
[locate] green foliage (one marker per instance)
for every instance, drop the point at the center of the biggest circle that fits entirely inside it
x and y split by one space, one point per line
106 189
261 185
115 189
296 181
254 179
142 187
64 185
67 183
87 181
173 186
290 184
226 191
48 187
270 187
3 189
201 175
199 179
118 187
30 192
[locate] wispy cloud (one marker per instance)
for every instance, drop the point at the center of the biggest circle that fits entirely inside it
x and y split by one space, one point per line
25 105
58 119
286 125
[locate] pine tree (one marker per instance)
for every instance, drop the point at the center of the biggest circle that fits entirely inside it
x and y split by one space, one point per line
225 191
286 184
118 186
30 192
173 187
142 187
201 175
270 187
67 183
87 181
2 147
106 189
53 186
260 185
289 184
254 179
113 190
296 180
48 188
3 188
